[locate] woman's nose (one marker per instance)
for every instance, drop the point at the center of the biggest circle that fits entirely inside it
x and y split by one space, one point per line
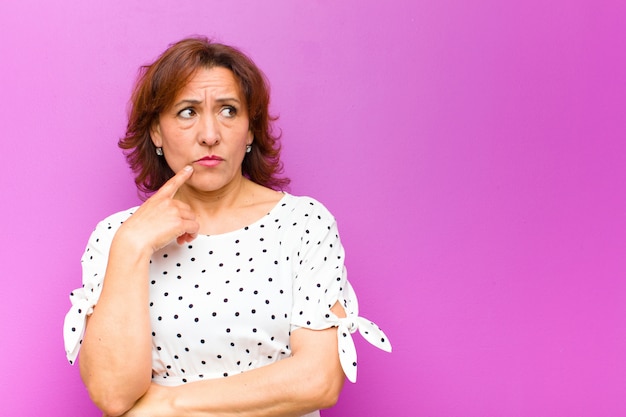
209 131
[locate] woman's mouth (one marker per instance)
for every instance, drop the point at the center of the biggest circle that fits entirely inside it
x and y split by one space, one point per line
209 161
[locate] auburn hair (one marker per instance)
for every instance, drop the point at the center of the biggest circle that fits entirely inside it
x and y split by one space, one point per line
156 88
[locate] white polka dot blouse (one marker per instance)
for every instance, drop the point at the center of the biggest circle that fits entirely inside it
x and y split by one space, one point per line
227 303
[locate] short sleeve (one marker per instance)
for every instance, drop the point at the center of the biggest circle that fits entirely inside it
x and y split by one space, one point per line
320 273
83 299
321 280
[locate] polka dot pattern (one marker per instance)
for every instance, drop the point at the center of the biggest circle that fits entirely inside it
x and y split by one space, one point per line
224 304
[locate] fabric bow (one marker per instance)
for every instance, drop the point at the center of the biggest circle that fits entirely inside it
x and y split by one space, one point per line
83 300
348 325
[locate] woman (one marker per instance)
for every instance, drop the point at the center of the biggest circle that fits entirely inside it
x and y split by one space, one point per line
219 295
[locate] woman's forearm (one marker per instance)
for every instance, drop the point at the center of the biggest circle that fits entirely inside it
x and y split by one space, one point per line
115 358
286 388
309 380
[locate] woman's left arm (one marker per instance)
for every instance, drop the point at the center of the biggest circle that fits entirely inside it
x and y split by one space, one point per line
310 379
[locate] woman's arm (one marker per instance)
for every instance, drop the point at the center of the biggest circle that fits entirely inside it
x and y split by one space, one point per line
310 379
115 359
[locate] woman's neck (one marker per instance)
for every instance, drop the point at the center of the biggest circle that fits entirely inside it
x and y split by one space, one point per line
230 208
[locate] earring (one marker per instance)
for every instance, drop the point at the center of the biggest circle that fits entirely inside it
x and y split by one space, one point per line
159 151
248 148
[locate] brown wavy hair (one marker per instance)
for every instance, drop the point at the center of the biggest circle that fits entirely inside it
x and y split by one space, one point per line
158 85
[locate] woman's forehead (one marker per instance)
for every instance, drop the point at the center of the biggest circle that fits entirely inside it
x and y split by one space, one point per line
213 81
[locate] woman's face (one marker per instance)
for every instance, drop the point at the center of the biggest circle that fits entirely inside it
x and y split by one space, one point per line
207 127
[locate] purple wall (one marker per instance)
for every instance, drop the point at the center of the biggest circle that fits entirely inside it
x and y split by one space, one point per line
473 152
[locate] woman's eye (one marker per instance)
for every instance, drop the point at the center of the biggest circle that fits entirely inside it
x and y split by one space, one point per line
186 113
228 111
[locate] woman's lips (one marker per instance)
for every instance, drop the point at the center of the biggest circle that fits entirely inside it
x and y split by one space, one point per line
209 161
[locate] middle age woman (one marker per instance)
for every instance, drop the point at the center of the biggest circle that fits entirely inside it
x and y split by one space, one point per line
220 295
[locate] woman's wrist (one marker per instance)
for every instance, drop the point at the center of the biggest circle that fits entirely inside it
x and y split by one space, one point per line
130 245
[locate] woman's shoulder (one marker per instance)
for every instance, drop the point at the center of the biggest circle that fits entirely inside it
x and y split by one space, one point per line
307 206
113 221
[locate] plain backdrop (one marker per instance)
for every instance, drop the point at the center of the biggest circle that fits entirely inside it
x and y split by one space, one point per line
473 153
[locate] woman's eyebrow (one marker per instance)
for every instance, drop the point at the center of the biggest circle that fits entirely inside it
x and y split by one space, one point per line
187 101
227 99
192 102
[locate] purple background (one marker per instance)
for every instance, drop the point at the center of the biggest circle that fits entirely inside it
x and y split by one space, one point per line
473 153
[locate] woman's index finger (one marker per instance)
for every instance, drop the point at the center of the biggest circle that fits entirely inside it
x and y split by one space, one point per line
170 188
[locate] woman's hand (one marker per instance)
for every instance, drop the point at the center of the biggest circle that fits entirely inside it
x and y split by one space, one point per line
162 218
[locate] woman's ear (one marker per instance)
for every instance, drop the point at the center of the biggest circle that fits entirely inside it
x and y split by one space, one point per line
250 138
155 135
